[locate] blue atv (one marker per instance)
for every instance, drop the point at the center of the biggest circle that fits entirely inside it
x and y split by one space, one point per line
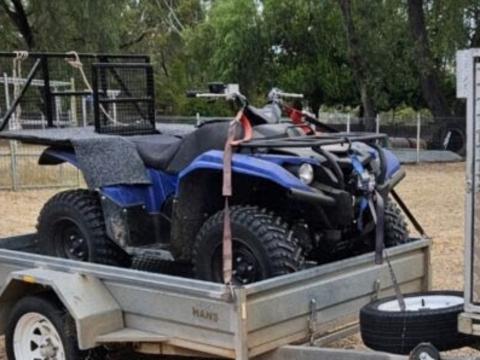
298 199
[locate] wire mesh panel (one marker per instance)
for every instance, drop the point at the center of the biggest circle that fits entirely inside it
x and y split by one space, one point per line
50 89
124 98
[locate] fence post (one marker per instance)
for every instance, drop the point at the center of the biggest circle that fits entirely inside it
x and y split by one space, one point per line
13 164
349 119
12 143
377 124
419 129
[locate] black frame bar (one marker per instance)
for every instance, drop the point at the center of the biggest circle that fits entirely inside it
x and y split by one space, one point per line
313 140
146 58
13 106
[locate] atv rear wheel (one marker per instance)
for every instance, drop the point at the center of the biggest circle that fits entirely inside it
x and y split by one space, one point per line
263 247
71 225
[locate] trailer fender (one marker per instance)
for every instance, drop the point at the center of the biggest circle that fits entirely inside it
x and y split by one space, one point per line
90 304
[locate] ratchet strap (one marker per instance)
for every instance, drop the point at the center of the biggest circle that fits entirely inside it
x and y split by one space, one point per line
240 120
297 118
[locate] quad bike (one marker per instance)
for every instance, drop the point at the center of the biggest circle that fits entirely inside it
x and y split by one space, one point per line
297 198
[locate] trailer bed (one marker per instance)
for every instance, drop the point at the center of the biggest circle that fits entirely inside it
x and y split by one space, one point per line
170 314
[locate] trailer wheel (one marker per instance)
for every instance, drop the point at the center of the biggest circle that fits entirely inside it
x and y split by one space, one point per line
71 225
430 317
263 247
40 328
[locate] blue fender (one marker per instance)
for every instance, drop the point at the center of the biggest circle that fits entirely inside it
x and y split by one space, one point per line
151 196
392 163
268 167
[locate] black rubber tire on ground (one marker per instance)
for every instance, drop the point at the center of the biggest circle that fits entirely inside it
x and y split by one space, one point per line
71 225
400 332
263 246
48 307
395 226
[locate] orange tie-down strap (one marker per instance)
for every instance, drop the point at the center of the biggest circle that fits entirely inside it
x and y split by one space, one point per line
242 120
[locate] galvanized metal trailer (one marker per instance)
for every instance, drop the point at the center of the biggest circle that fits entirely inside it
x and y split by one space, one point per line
163 314
468 87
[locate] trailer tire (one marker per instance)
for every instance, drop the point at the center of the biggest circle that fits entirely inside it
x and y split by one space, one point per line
71 225
263 246
384 327
41 323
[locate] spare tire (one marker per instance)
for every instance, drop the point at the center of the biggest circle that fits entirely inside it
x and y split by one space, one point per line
430 317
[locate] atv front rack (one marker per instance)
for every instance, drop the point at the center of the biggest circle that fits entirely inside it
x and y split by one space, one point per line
314 140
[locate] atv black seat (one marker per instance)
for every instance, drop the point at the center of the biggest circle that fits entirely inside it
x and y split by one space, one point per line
172 154
156 151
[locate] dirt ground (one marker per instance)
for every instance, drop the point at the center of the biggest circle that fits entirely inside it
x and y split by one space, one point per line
435 193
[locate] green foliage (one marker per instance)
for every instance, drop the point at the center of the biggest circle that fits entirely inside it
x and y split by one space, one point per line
297 45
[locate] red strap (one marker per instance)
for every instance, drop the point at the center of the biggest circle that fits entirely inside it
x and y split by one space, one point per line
297 118
227 187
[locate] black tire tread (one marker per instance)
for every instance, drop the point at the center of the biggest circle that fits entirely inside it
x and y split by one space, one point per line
283 249
401 332
86 203
50 307
396 229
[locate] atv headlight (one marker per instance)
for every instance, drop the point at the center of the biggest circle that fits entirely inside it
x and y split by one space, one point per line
306 173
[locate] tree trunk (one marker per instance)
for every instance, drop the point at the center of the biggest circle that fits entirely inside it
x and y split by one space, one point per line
359 66
428 73
19 18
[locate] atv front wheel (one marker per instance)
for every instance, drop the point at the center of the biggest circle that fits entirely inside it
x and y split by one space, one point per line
263 247
71 225
396 230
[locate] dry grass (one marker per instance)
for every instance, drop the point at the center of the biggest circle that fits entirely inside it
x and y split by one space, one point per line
29 173
435 193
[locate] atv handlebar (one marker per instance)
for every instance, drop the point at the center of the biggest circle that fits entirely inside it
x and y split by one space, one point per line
198 94
282 94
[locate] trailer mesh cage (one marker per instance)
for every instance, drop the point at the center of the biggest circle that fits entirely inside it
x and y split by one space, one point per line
56 90
123 97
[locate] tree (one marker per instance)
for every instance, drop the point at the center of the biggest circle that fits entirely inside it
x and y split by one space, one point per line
359 65
306 51
18 15
427 70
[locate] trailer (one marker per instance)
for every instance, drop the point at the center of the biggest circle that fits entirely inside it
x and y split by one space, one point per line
468 87
171 315
53 308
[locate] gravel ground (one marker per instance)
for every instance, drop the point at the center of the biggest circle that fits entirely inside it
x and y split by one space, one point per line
434 192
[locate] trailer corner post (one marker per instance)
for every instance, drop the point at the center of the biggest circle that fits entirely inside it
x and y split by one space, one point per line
241 331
